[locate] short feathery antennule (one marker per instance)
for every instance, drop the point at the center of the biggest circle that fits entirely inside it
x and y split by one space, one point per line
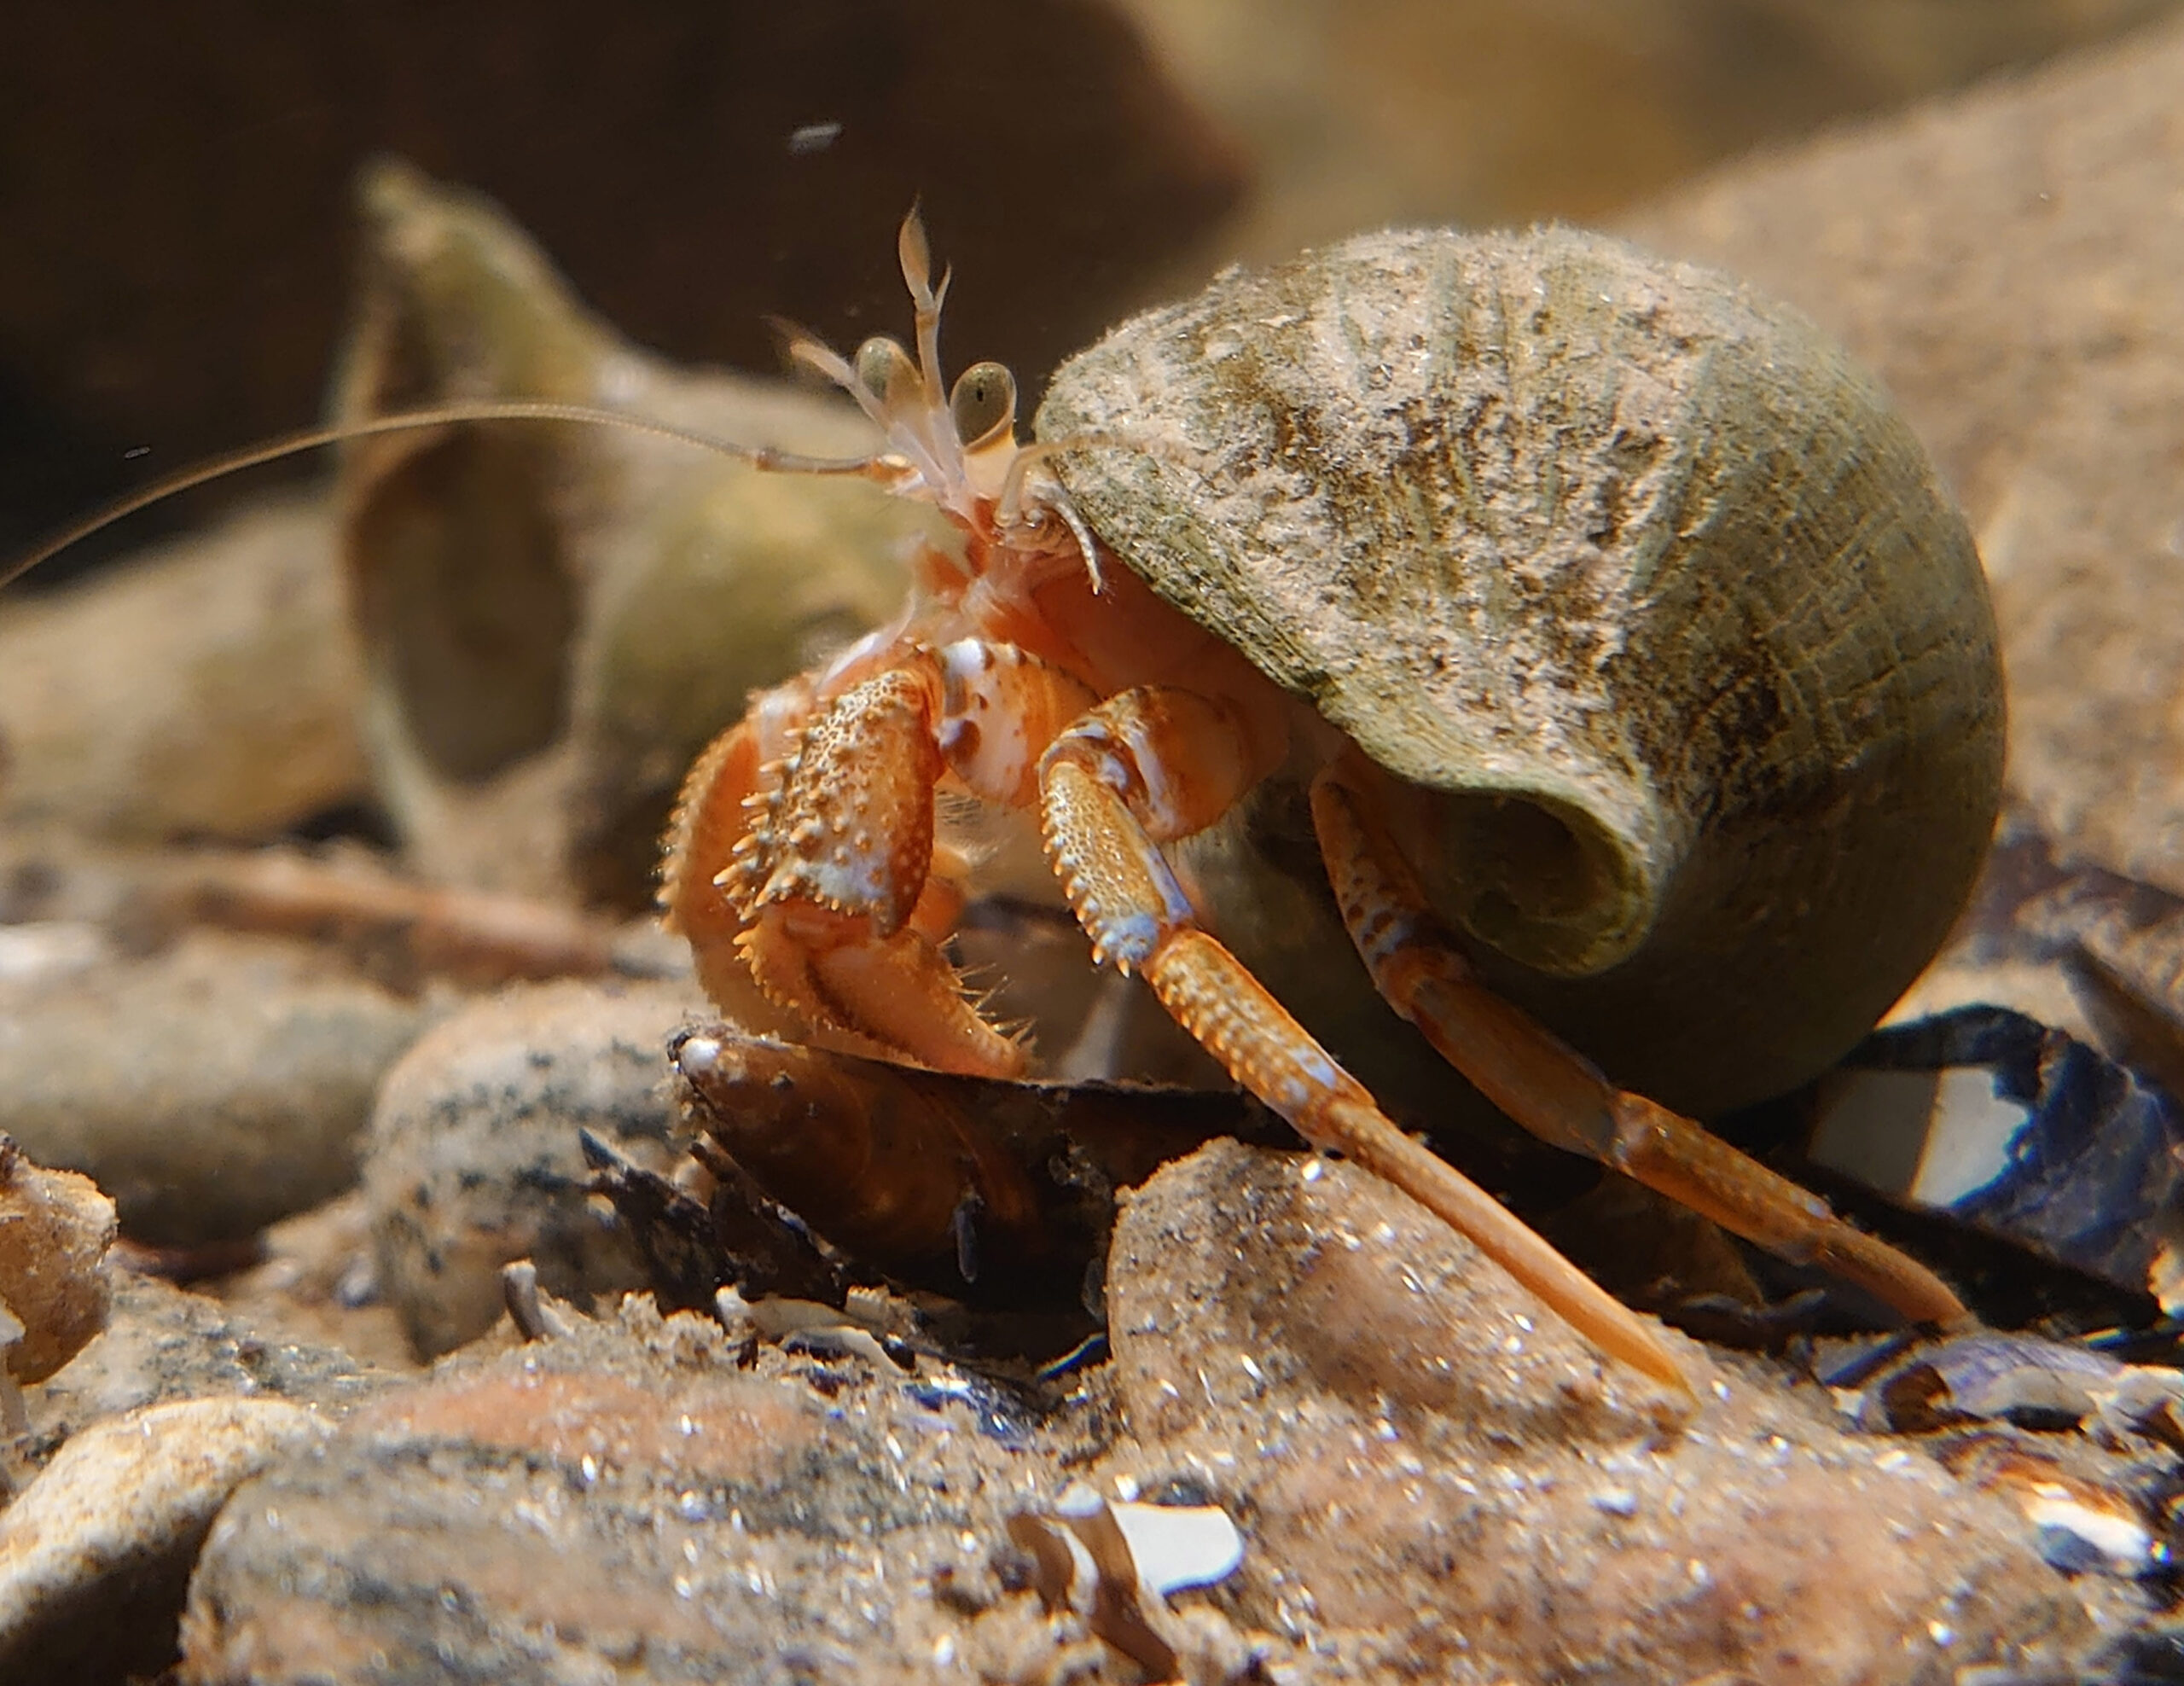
916 256
905 396
438 415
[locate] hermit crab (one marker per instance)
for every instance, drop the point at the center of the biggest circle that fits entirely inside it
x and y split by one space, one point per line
1604 632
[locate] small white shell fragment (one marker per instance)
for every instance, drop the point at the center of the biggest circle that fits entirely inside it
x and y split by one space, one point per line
780 1318
1171 1546
122 1499
1177 1546
2122 1545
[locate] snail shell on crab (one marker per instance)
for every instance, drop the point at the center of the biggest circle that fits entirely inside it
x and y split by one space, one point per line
1644 591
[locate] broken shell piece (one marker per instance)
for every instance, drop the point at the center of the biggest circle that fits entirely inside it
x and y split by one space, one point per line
691 1247
2084 1531
1102 1559
2024 1379
997 1192
554 618
1176 1546
2013 1128
54 1229
802 1323
536 1315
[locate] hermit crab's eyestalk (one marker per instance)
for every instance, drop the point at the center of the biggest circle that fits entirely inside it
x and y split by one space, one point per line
884 370
982 405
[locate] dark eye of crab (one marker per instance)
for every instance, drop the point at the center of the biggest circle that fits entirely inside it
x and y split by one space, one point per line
884 369
982 404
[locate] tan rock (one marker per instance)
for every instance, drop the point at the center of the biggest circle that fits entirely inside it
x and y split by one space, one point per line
210 1089
162 1344
626 1503
473 1161
1437 1471
54 1229
211 688
94 1553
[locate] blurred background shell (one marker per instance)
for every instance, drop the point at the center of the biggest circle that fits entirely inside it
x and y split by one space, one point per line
554 618
1629 566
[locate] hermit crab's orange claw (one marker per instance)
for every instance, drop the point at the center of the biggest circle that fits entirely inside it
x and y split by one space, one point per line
709 821
1101 810
829 881
1554 1092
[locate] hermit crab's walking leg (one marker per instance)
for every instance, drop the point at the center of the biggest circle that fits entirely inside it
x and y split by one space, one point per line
1154 764
1556 1094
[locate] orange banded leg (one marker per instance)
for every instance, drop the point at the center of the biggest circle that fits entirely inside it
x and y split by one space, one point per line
1108 785
1559 1096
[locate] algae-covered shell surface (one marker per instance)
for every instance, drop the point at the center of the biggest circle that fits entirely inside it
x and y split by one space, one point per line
1641 588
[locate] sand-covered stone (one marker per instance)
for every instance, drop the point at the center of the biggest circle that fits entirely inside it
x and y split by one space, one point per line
1440 1474
210 1089
627 1502
473 1158
94 1553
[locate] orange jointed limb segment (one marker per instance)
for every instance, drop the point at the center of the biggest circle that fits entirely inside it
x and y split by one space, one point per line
1129 903
1212 996
1670 1153
1559 1096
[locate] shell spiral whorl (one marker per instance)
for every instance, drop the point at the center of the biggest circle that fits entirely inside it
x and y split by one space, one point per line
1641 584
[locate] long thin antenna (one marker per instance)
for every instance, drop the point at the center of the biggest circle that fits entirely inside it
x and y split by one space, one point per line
505 409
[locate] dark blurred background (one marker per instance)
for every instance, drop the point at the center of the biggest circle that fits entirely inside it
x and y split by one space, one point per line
174 180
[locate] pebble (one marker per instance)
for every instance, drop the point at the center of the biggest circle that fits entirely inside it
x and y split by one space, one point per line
473 1160
54 1229
209 1089
162 1344
94 1553
1431 1458
626 1503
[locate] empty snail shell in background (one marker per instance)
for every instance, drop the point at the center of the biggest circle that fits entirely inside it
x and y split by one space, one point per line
1642 588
